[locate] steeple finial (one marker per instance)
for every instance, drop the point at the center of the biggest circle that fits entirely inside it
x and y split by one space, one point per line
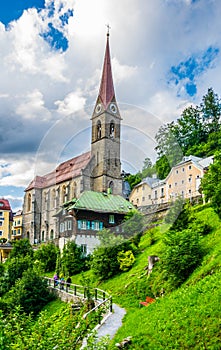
108 29
106 92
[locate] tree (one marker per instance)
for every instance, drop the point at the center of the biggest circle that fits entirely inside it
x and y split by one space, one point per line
73 259
211 109
21 248
47 255
30 292
182 255
133 180
211 184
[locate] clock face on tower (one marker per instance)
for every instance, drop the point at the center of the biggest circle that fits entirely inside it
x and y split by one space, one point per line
113 108
98 108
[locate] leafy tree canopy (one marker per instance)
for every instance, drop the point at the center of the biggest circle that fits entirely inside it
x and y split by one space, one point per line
211 184
21 248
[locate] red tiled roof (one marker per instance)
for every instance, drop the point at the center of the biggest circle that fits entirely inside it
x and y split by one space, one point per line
4 204
64 171
106 92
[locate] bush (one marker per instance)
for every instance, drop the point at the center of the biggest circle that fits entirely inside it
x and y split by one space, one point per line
104 261
47 255
183 254
30 292
73 259
126 260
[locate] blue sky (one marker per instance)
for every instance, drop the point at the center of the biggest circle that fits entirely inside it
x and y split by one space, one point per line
165 55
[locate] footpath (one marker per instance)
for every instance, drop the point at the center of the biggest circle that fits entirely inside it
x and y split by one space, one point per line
112 323
109 325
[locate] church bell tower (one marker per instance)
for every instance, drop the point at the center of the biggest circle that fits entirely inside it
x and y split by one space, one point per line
105 143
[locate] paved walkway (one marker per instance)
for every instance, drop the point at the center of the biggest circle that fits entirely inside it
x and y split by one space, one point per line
112 323
109 325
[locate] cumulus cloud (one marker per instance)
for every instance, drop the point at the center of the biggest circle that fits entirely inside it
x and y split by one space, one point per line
51 62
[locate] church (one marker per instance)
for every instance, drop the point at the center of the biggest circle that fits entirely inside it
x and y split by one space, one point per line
96 171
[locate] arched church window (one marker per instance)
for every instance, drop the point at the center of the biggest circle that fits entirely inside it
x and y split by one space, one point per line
98 130
29 202
112 130
111 187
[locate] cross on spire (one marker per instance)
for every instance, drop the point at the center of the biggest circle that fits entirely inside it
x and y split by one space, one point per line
108 29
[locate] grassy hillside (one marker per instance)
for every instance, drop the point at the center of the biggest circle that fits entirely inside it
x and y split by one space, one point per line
188 317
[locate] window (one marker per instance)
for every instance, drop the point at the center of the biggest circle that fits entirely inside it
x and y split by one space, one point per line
183 169
65 225
112 130
101 225
69 225
88 225
177 171
96 225
111 219
83 225
155 193
92 225
162 192
175 183
149 196
98 130
19 231
182 182
170 185
1 233
79 224
43 236
84 248
1 223
1 213
189 191
190 167
52 234
143 199
190 179
61 227
29 202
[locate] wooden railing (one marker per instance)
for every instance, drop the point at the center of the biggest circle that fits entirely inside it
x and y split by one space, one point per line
101 298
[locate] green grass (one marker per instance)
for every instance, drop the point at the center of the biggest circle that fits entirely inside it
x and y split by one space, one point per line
186 318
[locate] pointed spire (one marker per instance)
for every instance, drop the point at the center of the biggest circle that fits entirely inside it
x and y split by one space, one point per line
106 92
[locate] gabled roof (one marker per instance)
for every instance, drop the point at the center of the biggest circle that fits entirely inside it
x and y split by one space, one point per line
4 204
148 180
64 171
102 203
106 92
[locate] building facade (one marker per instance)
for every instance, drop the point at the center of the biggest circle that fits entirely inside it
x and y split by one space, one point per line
17 225
182 181
88 215
98 170
6 220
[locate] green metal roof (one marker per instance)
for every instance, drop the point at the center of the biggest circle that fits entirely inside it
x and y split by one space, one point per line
102 202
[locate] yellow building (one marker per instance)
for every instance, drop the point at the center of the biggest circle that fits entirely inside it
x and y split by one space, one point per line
6 219
17 225
183 181
142 193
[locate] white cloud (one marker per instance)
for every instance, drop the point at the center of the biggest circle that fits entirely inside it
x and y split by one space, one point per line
39 86
73 102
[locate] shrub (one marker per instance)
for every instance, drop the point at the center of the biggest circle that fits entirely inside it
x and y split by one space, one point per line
126 260
30 292
46 255
183 254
